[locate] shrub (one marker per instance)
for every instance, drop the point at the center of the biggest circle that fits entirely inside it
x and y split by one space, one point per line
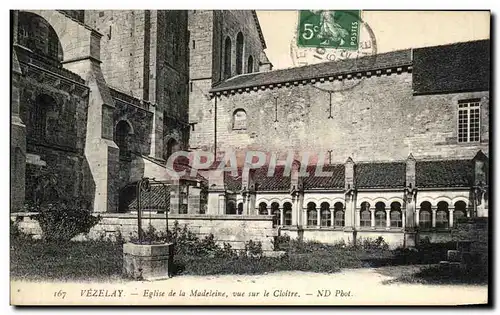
372 244
186 242
281 242
253 249
227 251
15 231
62 221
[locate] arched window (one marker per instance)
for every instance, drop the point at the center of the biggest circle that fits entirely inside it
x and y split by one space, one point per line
326 215
239 119
396 215
250 64
263 208
240 208
425 216
35 33
275 211
227 58
380 214
122 138
460 211
172 146
339 219
312 214
442 215
287 213
231 207
365 215
239 53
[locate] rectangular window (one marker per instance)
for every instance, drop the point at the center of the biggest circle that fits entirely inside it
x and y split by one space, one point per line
469 121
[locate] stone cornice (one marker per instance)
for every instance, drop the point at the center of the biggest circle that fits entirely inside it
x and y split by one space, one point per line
59 81
351 75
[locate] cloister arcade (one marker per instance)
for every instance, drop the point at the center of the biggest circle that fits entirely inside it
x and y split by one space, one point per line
377 213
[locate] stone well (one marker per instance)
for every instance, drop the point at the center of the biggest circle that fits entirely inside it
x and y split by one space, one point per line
148 261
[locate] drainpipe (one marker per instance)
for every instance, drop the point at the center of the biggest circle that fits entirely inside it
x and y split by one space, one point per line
215 127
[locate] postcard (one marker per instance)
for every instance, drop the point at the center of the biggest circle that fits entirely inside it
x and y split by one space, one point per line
229 157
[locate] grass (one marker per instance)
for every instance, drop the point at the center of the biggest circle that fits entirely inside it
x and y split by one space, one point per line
98 260
41 260
325 262
102 260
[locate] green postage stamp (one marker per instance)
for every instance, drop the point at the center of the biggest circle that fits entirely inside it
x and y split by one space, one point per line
334 29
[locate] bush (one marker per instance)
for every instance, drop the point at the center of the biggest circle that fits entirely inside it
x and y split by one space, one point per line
186 242
285 243
373 244
62 222
15 231
281 242
253 249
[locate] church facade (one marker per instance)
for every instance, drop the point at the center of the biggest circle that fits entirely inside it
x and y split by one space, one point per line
101 99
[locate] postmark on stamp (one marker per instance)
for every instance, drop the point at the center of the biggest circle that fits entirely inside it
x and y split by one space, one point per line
323 28
310 44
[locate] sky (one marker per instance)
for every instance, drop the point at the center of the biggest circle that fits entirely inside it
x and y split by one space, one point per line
393 30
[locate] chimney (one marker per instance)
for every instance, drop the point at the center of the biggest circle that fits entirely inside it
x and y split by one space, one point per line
215 179
480 169
410 171
349 174
248 178
295 180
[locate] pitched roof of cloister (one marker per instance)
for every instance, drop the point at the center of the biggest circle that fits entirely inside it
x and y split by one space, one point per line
334 181
450 173
429 174
380 175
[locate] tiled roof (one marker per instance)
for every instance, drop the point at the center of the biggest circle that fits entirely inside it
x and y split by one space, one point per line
281 182
451 173
233 183
335 181
154 199
380 175
184 166
277 182
326 69
429 174
457 67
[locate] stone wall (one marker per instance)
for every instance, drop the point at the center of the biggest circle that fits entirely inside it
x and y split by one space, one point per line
141 122
171 80
231 23
232 229
122 44
208 30
366 123
53 106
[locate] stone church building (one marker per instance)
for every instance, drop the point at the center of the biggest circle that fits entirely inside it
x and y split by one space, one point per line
101 99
